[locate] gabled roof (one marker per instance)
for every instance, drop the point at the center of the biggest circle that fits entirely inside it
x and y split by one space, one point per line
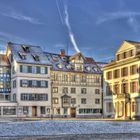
133 42
17 49
77 55
126 44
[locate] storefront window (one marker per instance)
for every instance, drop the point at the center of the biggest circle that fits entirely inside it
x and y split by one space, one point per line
9 110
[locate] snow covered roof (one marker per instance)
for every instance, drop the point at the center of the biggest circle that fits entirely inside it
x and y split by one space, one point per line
63 63
28 54
35 55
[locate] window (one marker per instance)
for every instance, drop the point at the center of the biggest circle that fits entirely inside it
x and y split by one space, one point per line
134 69
108 90
34 69
26 48
55 89
22 56
58 110
125 88
38 69
34 83
36 57
133 86
65 78
109 75
23 68
73 100
7 110
131 53
14 97
83 79
97 101
118 57
116 89
125 55
42 110
97 91
124 71
83 101
83 90
133 106
14 84
89 111
24 83
7 97
42 70
73 90
65 90
44 83
116 73
29 69
65 111
13 70
34 97
66 100
25 110
73 78
55 100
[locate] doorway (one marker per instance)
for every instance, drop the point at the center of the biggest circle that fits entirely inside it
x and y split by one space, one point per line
73 112
34 111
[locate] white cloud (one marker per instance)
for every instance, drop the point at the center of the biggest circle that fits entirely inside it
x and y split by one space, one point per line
131 18
19 16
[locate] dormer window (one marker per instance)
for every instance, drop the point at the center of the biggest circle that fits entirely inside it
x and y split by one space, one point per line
59 66
88 68
26 48
36 57
22 56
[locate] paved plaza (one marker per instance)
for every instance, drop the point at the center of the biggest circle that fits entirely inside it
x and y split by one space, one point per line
70 129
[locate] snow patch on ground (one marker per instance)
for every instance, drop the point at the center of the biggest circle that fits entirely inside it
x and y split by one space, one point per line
59 127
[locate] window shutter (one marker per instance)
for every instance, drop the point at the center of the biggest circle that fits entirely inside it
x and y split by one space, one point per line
46 83
21 68
30 83
20 83
38 83
46 70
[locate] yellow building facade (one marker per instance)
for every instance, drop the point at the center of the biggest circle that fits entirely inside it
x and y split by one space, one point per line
121 83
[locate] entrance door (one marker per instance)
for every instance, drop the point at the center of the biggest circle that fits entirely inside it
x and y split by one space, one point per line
34 111
73 112
127 111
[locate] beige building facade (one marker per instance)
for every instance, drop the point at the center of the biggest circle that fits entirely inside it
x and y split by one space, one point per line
121 83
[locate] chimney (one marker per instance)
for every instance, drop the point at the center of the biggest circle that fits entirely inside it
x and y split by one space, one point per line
62 52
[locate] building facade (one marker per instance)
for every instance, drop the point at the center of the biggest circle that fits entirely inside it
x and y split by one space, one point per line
34 83
121 83
76 86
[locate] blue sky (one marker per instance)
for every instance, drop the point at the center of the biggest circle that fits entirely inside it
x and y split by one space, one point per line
99 26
